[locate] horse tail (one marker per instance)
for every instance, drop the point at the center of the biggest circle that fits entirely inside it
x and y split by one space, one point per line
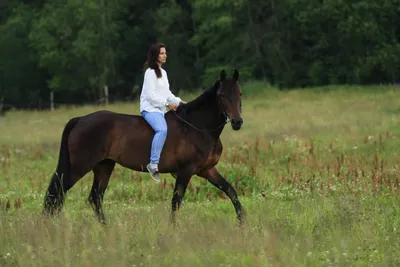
54 197
63 166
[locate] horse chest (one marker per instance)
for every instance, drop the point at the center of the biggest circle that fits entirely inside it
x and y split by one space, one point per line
212 159
213 155
204 151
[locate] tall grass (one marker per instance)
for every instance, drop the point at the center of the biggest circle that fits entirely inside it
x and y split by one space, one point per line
317 171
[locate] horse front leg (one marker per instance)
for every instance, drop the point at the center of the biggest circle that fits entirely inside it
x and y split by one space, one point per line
182 180
215 178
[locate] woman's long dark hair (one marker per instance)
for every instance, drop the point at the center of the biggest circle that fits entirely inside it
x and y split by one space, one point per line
152 56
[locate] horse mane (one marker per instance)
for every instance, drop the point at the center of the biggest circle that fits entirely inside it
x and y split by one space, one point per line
205 97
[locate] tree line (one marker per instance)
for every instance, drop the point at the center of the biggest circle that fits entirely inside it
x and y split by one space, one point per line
76 48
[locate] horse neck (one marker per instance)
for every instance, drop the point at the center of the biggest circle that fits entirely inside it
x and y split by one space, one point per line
207 115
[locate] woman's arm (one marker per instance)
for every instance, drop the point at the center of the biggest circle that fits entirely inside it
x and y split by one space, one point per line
150 81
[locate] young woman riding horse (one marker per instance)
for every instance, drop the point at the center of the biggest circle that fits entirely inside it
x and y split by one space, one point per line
154 100
97 141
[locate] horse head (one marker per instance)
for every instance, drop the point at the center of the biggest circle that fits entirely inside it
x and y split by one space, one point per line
229 96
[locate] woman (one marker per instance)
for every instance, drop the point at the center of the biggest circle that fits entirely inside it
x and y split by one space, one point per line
154 100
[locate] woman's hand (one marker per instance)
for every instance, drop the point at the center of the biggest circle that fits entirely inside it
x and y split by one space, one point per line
182 102
172 106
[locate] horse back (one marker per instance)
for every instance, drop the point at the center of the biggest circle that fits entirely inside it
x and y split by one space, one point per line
127 140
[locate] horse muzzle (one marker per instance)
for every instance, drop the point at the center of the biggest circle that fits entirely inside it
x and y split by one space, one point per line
236 124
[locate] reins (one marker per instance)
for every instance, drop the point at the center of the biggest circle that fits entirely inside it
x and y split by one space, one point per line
201 130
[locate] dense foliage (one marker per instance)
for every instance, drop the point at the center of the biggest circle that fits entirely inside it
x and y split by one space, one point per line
75 47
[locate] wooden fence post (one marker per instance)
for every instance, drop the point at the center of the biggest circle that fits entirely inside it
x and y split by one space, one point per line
1 105
106 94
51 100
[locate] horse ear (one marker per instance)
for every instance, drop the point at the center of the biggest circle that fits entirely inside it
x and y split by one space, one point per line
217 83
223 75
236 75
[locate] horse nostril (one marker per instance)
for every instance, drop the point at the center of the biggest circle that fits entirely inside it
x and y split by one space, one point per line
237 121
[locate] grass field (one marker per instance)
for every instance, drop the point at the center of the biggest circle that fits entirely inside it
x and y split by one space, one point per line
317 172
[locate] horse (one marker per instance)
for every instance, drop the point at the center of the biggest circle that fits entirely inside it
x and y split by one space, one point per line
97 141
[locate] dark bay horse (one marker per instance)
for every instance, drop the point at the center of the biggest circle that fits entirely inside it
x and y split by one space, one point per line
97 141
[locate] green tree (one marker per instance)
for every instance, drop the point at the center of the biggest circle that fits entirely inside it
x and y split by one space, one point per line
21 82
76 43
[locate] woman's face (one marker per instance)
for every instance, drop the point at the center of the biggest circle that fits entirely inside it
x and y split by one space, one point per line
162 57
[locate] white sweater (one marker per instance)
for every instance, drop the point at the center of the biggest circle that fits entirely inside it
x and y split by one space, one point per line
156 95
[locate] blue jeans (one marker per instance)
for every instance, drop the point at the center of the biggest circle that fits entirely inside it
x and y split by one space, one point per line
159 125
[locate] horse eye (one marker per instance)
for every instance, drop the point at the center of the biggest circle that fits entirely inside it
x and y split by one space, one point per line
241 93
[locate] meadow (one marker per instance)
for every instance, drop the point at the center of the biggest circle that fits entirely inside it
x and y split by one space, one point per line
317 171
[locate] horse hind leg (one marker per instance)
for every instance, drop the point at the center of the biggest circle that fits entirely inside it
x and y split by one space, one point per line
54 198
59 185
102 172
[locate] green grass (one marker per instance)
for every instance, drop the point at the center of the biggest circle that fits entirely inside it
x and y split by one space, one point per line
317 171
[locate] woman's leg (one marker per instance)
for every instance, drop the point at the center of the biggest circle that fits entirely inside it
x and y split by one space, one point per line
159 125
